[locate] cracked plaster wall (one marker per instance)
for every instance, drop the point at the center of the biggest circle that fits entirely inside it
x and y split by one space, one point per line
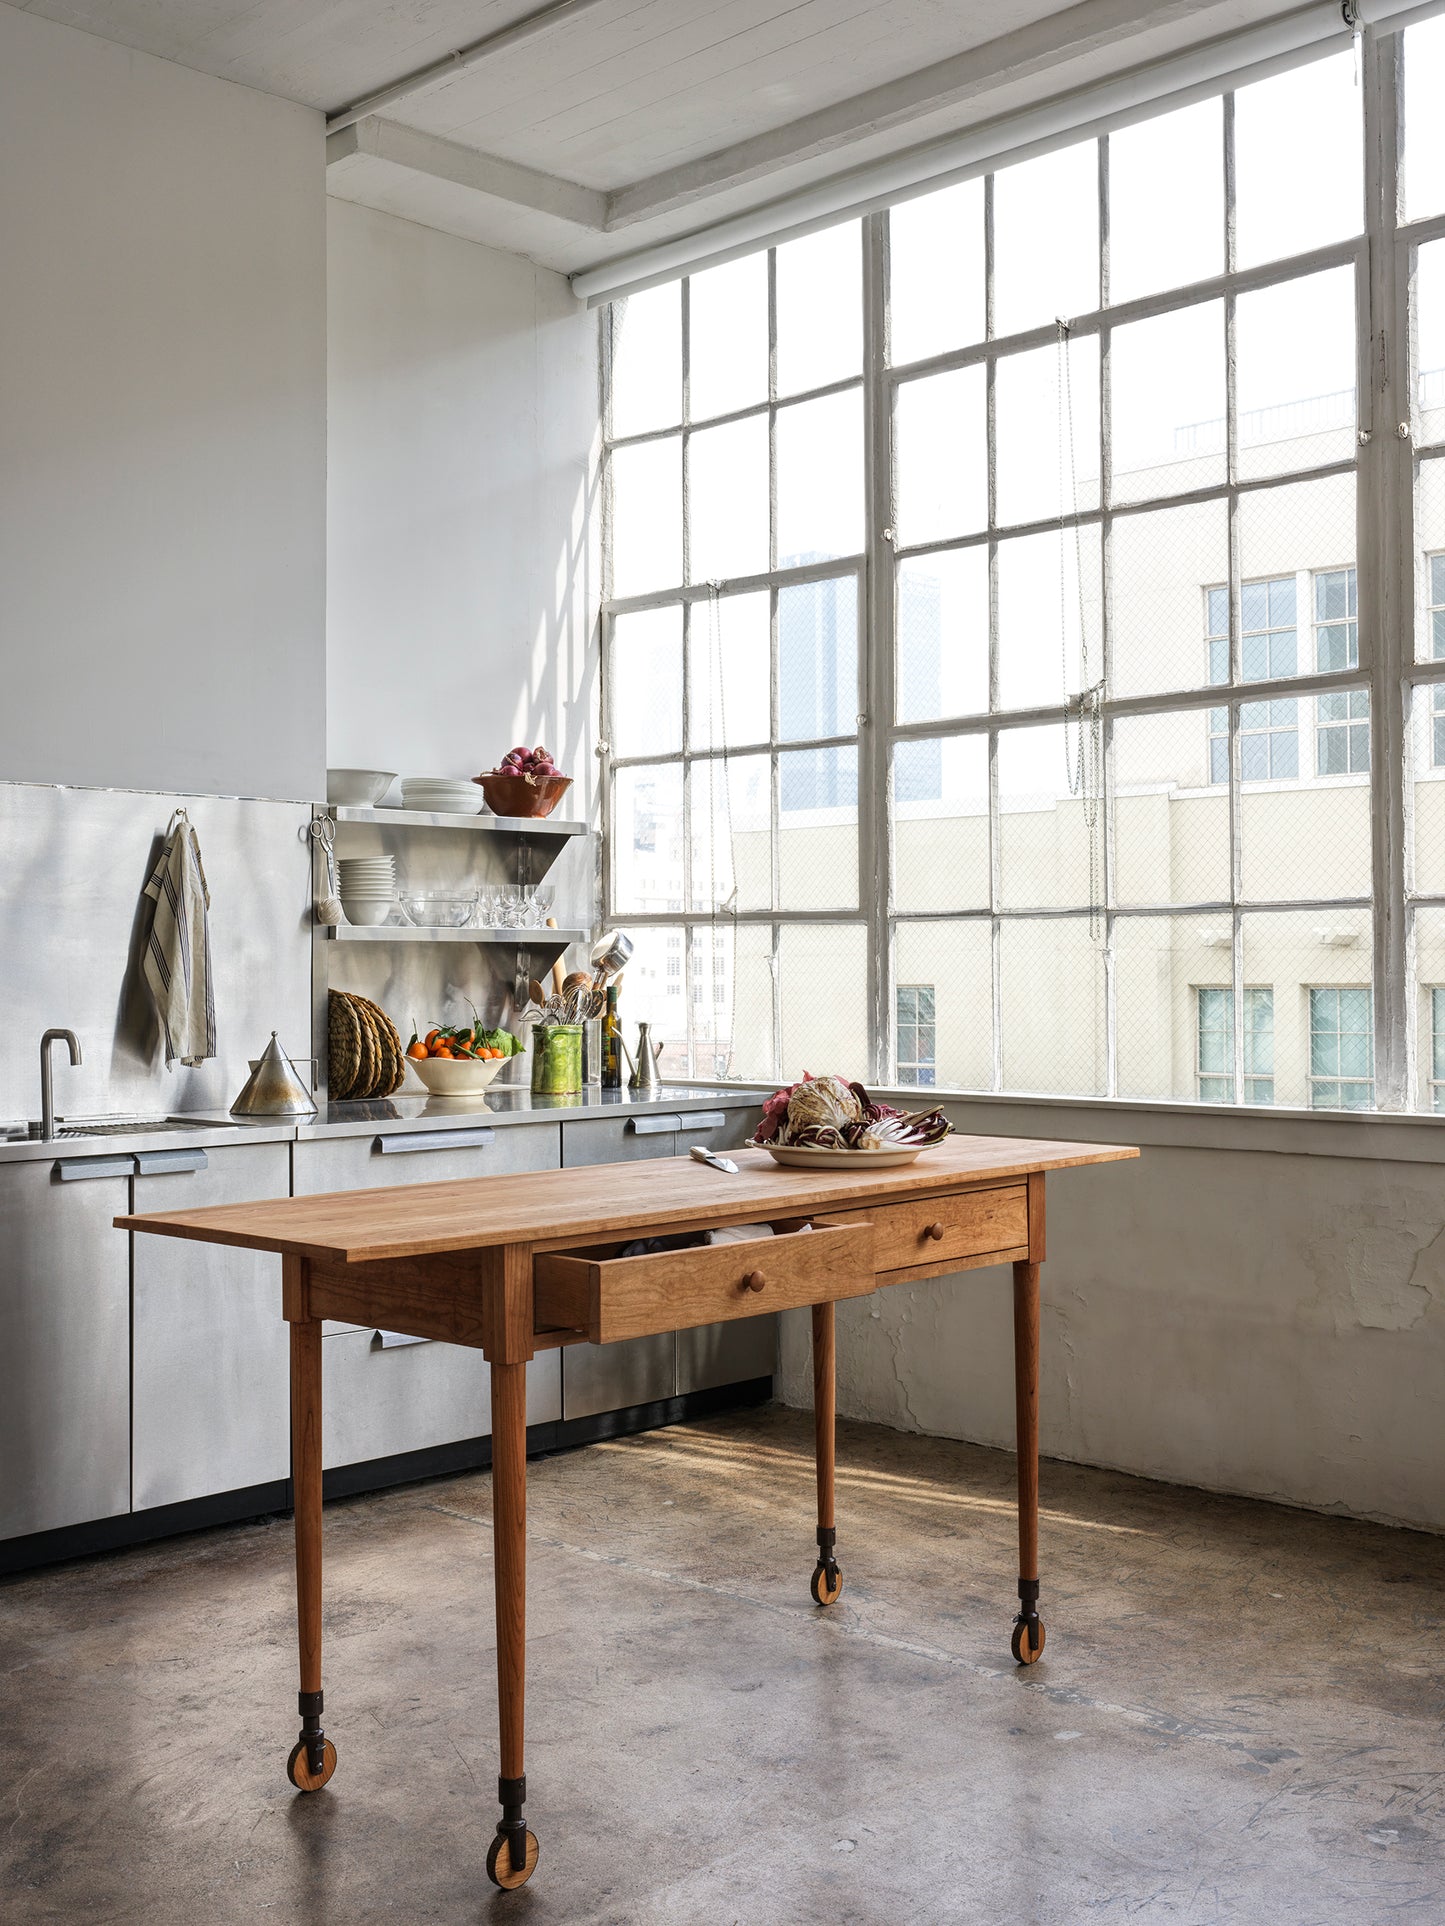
1243 1321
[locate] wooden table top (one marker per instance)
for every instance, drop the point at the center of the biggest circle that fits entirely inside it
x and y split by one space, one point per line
547 1206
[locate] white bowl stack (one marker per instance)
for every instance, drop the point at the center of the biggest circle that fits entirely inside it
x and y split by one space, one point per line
368 887
441 795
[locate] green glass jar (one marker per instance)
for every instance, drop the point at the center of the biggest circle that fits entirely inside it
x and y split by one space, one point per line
556 1059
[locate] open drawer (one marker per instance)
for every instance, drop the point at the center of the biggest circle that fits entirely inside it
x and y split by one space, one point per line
608 1297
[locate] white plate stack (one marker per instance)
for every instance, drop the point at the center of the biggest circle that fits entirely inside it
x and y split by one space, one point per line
368 887
441 795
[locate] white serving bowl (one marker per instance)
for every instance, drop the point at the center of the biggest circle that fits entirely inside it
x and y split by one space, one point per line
358 788
457 1078
367 910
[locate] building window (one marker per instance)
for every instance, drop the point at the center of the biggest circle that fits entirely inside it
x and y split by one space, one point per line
1437 1050
1214 1016
1342 721
1268 648
1435 610
1342 1050
917 1038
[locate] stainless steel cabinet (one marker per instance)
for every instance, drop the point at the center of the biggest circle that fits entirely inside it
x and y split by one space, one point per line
209 1371
609 1377
380 1400
65 1329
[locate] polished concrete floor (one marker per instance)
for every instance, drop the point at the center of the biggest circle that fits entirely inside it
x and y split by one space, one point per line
1239 1714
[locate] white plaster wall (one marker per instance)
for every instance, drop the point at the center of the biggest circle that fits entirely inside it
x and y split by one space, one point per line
1242 1320
162 424
463 424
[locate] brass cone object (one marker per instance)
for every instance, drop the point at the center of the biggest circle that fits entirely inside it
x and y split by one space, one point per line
273 1088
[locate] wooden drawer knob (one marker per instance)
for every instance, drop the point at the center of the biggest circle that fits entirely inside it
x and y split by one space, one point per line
754 1281
935 1231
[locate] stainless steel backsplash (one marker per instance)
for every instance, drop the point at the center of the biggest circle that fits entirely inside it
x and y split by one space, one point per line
73 863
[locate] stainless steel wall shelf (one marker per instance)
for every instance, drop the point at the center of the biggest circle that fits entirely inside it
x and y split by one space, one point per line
493 825
522 939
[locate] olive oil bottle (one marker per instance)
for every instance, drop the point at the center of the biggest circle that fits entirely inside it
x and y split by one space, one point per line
612 1042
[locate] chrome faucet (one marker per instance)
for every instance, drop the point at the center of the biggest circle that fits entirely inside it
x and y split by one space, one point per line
47 1100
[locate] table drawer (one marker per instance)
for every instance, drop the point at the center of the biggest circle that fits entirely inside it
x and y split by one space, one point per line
611 1297
969 1224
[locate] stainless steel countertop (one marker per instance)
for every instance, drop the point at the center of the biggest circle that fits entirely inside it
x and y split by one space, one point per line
213 1129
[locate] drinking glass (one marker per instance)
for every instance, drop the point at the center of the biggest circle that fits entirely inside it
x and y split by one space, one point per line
543 897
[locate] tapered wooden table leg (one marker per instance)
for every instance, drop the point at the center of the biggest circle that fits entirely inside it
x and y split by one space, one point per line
313 1758
1028 1635
827 1579
512 1857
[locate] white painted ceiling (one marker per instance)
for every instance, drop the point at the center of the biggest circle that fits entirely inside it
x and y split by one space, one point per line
642 119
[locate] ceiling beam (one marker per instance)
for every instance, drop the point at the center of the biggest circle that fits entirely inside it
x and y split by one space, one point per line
1054 41
446 160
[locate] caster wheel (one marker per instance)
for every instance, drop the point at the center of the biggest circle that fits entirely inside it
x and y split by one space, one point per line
1028 1640
827 1585
299 1772
500 1869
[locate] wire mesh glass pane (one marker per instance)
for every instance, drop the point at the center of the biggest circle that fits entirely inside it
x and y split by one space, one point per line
646 516
935 272
820 308
1298 171
1429 572
818 659
1051 1006
820 479
647 838
732 833
1429 312
1424 163
1288 538
1046 239
730 673
1170 813
645 682
1316 964
646 379
818 828
822 978
941 456
1425 720
1295 352
1174 985
1049 821
1303 837
727 326
1167 403
1428 990
943 1004
730 996
1166 201
1046 408
654 990
940 823
727 500
941 612
1050 599
1168 568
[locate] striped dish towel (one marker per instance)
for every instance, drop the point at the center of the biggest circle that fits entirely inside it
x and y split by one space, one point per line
177 962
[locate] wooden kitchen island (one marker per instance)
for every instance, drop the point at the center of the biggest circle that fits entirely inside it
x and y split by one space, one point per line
513 1265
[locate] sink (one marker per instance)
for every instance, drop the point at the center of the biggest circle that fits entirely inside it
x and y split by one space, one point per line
122 1127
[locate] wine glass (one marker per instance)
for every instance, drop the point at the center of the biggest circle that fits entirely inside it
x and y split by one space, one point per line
543 897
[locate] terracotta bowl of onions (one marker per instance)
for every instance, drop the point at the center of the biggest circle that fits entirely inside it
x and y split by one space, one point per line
525 783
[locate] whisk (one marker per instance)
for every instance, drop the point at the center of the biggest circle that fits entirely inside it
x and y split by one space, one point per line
328 901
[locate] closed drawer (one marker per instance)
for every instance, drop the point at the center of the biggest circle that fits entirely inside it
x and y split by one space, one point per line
932 1230
611 1297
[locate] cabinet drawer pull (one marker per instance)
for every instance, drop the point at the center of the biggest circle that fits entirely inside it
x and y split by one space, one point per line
414 1142
659 1124
754 1281
157 1163
935 1231
708 1119
79 1170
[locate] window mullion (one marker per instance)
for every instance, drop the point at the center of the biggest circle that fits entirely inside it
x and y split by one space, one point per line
1385 578
876 652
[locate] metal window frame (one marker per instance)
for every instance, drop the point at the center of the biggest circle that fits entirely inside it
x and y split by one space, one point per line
1383 466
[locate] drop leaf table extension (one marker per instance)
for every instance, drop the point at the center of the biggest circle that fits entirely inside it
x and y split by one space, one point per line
513 1265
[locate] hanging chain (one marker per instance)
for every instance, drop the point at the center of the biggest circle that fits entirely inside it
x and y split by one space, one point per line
1085 764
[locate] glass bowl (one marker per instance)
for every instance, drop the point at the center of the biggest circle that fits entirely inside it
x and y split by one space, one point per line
439 912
